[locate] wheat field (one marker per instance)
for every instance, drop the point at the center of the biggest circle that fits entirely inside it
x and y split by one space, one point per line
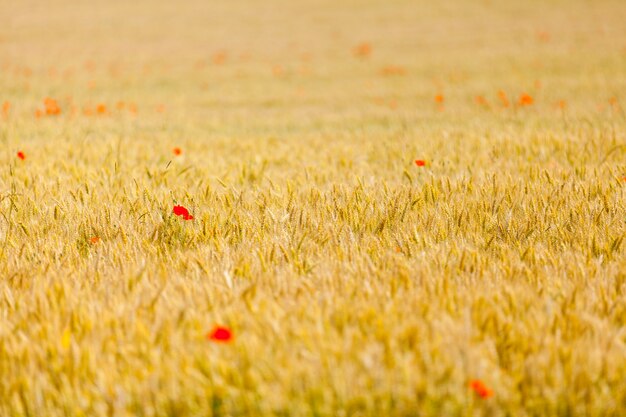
312 208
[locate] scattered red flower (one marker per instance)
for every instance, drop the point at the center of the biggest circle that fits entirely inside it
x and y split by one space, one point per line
480 388
363 50
21 155
177 151
6 106
503 98
101 109
543 36
526 100
390 70
94 240
219 57
220 334
481 101
420 162
182 211
439 98
51 106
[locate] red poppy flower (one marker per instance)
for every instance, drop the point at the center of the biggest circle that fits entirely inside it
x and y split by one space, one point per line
177 151
420 162
503 98
94 240
52 107
6 106
439 98
21 155
220 334
182 211
363 50
480 388
526 100
219 57
481 101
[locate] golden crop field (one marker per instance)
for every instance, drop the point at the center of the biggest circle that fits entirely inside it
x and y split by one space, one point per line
312 208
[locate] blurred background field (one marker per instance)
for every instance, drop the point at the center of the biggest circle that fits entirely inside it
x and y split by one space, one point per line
355 281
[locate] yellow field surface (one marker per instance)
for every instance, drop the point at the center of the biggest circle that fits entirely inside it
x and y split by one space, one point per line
389 208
